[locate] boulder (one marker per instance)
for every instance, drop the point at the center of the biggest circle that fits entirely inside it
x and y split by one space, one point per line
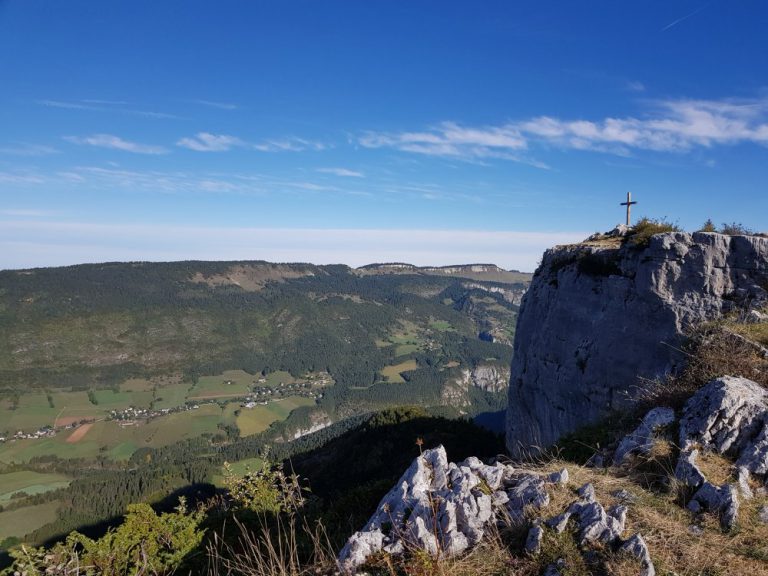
687 471
725 415
637 547
641 440
594 523
721 500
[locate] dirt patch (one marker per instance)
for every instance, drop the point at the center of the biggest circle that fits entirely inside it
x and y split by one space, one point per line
78 434
253 277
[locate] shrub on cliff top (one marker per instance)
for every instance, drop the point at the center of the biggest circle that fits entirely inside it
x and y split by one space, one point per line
640 234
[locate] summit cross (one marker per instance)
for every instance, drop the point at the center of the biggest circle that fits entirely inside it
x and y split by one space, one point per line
628 204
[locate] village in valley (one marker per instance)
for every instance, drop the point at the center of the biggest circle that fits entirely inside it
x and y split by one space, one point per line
230 390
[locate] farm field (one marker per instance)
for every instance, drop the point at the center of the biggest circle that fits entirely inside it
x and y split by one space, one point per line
171 396
119 440
392 373
231 383
274 379
240 468
30 483
405 338
254 420
24 520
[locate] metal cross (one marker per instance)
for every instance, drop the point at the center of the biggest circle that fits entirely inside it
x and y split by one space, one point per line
628 204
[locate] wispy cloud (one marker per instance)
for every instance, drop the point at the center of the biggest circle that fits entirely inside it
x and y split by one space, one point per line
117 106
219 105
634 86
454 140
112 142
671 126
290 144
678 126
207 142
24 149
106 102
342 172
683 18
67 105
21 177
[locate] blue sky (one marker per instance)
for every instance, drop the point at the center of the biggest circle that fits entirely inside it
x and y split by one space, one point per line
432 132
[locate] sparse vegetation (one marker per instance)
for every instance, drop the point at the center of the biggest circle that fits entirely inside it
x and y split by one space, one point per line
735 229
713 350
640 234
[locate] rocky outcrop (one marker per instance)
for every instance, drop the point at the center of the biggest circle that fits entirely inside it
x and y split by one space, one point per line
488 377
600 316
444 506
444 509
728 416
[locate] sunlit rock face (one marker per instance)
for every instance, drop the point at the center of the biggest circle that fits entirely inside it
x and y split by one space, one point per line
601 316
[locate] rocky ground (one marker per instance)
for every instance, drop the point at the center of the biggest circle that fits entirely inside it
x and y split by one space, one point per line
685 493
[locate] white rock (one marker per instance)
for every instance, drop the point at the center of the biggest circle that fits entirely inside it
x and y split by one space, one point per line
641 440
687 471
637 547
722 500
533 541
595 524
437 506
725 415
561 477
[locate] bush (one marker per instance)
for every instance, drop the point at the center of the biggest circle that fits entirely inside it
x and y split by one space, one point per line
144 544
736 229
640 234
708 226
268 490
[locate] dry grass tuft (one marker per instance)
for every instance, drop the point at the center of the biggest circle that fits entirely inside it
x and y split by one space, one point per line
713 350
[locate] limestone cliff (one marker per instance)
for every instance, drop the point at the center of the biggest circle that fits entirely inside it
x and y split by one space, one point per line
602 315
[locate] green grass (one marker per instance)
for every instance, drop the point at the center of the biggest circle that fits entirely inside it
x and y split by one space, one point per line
123 451
274 379
441 325
111 400
241 467
171 396
29 482
254 420
24 520
231 383
392 373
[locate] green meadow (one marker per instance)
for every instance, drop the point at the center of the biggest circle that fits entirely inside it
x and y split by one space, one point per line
392 373
254 420
12 483
25 520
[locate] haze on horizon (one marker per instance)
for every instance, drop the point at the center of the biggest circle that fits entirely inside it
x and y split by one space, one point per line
337 132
